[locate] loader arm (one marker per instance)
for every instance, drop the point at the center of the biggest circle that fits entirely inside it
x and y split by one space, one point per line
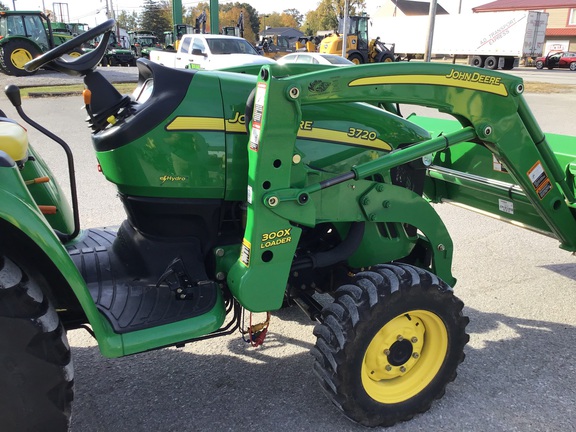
489 106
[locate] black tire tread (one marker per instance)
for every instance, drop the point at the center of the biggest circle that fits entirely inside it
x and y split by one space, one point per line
37 392
338 329
8 48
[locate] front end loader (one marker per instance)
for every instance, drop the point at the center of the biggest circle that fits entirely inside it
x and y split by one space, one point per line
252 189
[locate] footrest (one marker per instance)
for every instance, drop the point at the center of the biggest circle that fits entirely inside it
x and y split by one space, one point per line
130 303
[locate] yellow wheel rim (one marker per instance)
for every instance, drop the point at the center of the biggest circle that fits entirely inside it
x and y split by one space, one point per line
74 54
355 61
404 356
20 57
388 60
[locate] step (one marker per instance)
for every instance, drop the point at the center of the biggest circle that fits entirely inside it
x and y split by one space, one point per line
139 283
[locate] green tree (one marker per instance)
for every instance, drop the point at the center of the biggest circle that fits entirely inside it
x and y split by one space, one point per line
156 16
128 21
3 7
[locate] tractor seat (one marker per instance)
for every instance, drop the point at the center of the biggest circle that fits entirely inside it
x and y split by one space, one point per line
13 139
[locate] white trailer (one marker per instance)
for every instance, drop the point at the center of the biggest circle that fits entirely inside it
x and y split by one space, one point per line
490 39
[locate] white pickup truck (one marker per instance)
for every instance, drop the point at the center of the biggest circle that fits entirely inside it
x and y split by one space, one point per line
207 51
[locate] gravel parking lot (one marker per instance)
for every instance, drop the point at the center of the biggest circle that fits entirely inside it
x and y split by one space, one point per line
519 290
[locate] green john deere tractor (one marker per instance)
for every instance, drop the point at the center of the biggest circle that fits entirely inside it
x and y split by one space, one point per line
25 35
257 188
142 42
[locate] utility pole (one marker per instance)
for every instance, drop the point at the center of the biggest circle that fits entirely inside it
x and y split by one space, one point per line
112 15
345 30
430 38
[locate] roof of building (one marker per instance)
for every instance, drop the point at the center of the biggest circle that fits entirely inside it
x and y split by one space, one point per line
501 5
410 7
288 32
571 31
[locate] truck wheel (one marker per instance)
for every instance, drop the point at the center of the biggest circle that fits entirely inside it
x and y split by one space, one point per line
573 66
36 373
15 54
476 61
356 58
389 344
539 64
491 62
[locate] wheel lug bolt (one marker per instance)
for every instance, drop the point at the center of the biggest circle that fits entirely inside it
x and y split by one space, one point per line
400 338
415 355
414 339
386 352
388 368
402 369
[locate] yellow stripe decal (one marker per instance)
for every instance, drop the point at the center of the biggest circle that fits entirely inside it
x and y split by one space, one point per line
320 134
468 80
196 123
342 138
235 127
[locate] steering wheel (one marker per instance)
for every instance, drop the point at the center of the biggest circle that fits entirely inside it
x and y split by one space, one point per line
79 65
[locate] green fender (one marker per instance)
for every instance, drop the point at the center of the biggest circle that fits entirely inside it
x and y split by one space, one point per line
19 210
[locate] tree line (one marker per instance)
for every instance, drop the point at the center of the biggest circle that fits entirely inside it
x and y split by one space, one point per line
156 16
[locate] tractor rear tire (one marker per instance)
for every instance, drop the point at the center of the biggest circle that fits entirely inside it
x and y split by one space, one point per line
491 62
36 372
15 54
76 52
389 344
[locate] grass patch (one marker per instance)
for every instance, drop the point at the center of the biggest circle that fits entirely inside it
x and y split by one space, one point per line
67 90
540 87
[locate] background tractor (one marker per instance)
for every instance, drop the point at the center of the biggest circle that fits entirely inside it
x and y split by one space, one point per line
25 35
142 42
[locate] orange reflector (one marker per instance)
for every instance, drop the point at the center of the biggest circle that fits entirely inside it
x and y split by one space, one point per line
38 180
47 210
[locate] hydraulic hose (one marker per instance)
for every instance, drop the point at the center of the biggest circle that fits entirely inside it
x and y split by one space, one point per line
337 254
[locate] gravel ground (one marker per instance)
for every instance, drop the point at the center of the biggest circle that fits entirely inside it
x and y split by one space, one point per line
518 288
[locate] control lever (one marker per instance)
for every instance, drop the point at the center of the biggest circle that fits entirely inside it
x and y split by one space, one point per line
87 95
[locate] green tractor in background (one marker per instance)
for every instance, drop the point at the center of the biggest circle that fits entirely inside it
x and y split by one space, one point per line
117 53
25 35
142 42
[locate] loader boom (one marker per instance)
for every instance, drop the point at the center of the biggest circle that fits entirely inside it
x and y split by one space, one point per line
493 115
